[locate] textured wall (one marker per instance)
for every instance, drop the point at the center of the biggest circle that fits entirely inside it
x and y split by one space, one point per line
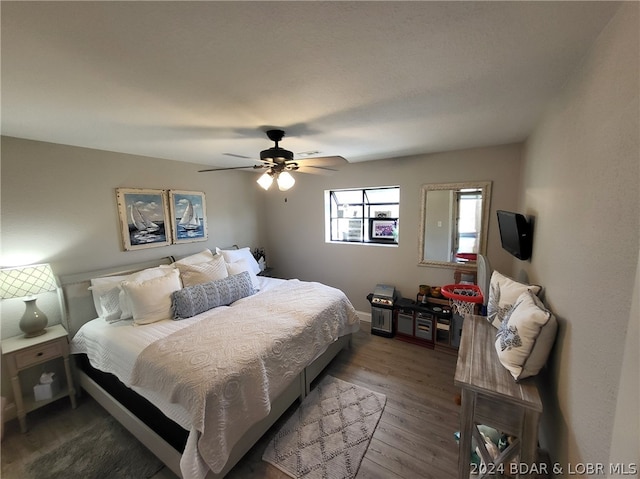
581 175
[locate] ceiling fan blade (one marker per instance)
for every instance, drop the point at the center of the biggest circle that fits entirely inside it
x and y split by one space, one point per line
315 170
254 167
322 161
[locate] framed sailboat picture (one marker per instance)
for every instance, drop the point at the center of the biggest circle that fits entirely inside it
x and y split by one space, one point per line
188 216
144 216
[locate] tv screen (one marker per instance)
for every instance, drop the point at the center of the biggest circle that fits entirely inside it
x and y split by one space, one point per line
515 234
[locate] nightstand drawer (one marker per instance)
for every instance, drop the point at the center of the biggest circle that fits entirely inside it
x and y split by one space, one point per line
36 355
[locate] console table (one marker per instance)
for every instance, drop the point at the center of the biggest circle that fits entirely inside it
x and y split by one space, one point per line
491 396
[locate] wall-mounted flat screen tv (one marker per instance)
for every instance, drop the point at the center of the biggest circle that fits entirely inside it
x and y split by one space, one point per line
515 234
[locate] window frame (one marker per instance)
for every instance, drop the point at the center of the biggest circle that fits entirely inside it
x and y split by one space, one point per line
365 212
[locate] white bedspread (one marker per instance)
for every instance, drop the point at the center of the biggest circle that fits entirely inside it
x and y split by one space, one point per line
236 359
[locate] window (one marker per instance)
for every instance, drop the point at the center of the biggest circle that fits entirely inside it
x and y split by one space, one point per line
368 215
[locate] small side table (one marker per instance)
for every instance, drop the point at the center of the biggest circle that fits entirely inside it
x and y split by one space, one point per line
23 353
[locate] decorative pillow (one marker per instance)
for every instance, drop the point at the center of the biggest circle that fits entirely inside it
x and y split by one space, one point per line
144 275
193 274
526 336
193 300
151 299
110 304
233 255
241 266
110 301
197 258
105 292
503 293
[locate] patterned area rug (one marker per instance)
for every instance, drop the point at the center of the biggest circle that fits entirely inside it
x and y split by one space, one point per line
105 450
329 433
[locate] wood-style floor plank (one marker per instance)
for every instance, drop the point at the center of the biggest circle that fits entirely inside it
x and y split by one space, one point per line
414 438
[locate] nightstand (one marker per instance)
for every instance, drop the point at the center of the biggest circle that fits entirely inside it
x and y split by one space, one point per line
267 273
23 353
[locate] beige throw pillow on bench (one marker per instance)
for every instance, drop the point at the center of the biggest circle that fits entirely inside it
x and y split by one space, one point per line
526 336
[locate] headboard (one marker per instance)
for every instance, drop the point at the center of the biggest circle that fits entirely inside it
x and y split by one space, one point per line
78 300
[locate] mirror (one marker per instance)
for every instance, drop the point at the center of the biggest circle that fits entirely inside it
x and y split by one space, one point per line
454 219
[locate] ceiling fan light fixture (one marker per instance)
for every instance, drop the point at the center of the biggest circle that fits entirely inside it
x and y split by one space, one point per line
285 181
265 180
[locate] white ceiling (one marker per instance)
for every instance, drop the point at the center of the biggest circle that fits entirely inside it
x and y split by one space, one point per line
191 81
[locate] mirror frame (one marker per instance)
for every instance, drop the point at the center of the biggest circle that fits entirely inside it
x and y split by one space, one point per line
486 204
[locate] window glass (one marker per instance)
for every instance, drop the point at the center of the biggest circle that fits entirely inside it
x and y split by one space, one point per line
385 195
469 219
365 215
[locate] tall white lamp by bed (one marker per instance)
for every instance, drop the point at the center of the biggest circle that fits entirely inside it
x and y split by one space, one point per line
26 282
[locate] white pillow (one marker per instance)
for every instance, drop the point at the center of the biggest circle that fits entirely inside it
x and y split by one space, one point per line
105 292
503 293
526 336
193 274
151 299
233 255
241 266
144 275
110 301
197 258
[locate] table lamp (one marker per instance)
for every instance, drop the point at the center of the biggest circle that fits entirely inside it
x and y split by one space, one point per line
26 282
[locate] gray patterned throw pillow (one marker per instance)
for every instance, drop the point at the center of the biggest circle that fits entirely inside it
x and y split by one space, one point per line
193 300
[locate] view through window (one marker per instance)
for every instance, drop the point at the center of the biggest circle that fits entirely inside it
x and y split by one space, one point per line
365 215
468 221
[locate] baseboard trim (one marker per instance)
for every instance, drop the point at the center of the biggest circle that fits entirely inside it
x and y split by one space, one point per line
366 317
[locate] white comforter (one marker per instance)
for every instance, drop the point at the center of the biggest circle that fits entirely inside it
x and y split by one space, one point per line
253 349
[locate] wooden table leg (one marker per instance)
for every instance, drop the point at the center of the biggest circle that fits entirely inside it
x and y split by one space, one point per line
466 425
17 393
529 441
72 389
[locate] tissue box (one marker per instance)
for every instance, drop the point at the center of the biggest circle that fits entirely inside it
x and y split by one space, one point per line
42 392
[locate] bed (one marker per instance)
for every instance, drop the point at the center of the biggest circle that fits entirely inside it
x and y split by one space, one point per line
200 391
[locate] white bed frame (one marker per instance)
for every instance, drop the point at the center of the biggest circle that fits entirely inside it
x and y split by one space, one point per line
79 309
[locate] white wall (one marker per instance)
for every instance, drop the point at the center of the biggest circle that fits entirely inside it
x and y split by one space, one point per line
580 182
296 237
58 205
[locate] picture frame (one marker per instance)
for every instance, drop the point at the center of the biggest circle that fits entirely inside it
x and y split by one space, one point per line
188 211
383 229
144 218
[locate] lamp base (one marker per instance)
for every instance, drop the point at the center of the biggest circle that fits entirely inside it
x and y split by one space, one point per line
33 335
33 321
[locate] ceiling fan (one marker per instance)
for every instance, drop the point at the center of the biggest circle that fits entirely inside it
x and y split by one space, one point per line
279 162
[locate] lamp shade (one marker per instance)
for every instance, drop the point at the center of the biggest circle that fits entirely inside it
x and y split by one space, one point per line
26 281
265 181
285 181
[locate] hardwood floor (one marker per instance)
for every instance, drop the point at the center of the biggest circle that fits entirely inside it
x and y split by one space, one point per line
414 438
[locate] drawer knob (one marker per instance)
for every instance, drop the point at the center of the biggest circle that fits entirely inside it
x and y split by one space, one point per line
40 353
